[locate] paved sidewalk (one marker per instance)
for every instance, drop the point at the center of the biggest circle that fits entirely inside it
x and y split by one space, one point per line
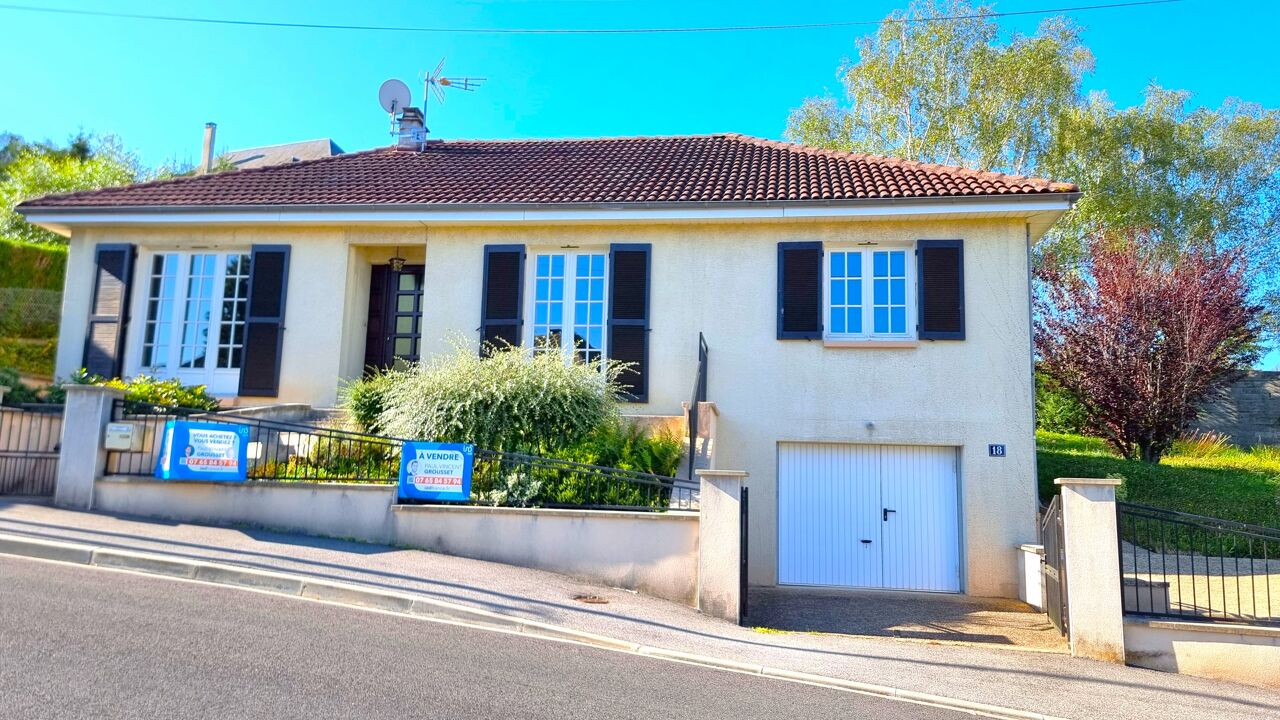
1053 684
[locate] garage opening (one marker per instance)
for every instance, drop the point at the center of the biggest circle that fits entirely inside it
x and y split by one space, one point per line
869 516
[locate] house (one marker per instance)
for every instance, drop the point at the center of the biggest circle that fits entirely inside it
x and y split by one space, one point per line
281 154
868 318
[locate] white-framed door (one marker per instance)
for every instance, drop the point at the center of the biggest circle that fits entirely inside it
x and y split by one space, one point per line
569 303
193 316
869 516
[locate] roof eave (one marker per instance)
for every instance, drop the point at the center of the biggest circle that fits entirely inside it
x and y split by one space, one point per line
1067 197
1046 206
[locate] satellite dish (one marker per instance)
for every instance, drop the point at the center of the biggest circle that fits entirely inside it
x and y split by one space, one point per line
394 96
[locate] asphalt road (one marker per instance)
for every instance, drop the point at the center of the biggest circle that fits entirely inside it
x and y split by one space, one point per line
84 642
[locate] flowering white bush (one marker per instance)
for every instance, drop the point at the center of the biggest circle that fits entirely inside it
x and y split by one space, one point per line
513 400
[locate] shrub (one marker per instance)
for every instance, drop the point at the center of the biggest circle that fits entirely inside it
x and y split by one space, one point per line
19 392
364 397
627 446
150 390
514 488
337 458
1057 410
30 356
27 265
512 400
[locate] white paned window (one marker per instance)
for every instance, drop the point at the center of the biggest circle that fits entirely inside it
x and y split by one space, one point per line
869 294
195 318
569 304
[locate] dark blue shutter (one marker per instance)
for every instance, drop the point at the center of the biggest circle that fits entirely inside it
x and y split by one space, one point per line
108 309
501 306
629 284
799 290
264 321
940 273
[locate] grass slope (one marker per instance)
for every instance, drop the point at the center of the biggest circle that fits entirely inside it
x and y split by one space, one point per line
1229 483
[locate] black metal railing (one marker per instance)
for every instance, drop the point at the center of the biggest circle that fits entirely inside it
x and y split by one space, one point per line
288 451
30 440
1192 567
699 396
277 450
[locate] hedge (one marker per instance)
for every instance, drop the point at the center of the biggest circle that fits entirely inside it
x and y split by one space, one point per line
32 266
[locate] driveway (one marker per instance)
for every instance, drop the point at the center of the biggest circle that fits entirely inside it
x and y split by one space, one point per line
932 617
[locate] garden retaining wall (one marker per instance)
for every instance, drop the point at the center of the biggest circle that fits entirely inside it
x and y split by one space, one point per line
1223 651
653 553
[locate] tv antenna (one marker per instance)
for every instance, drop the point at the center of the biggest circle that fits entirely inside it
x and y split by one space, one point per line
435 82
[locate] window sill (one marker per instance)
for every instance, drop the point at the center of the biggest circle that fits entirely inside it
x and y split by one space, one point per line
837 343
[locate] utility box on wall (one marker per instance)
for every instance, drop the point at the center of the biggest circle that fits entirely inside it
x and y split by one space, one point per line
124 436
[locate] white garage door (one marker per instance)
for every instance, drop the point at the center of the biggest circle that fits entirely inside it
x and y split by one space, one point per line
875 516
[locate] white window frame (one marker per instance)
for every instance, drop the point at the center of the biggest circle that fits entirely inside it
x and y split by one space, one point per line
219 381
568 301
868 291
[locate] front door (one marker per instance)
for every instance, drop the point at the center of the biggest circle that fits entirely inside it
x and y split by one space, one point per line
394 329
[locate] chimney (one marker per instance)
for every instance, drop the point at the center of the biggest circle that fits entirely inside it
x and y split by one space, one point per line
206 163
413 129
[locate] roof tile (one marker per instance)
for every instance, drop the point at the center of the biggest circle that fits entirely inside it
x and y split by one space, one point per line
699 168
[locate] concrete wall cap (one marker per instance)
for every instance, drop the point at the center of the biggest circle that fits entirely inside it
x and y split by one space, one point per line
722 473
90 389
547 512
1204 626
250 484
1113 482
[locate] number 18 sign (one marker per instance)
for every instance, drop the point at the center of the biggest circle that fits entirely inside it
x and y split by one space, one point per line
436 471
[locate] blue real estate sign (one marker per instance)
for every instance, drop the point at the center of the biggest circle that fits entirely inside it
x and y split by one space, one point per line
436 471
203 451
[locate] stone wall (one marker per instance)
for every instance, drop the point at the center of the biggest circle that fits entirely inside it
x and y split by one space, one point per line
1249 412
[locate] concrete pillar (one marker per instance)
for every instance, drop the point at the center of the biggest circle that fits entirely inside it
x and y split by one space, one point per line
83 457
720 543
1096 616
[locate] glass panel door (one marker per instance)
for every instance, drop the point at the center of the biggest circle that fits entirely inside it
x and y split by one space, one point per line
404 328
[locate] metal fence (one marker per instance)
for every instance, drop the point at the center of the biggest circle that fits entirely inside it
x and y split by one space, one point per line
699 396
29 312
277 450
287 451
30 438
1191 567
530 480
1053 568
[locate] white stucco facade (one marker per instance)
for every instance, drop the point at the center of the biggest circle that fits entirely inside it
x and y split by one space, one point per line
714 277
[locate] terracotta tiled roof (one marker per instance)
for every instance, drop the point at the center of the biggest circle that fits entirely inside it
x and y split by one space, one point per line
706 168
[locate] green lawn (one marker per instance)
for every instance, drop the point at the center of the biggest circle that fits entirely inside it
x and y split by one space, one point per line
1230 483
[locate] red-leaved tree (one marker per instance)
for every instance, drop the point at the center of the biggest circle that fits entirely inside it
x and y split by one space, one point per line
1144 336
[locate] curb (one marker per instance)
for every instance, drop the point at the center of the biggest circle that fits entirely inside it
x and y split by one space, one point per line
417 606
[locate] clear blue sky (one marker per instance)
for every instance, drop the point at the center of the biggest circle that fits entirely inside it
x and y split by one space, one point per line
155 84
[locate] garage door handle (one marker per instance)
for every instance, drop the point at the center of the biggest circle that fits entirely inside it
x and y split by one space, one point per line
866 542
885 517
